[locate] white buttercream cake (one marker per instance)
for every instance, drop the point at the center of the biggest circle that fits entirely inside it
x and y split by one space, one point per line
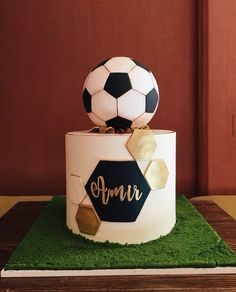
156 217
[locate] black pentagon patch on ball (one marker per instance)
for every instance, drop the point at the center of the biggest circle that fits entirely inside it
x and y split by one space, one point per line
117 84
141 65
118 190
101 64
151 101
119 123
87 101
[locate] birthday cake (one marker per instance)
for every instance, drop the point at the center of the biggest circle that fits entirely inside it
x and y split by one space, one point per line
120 174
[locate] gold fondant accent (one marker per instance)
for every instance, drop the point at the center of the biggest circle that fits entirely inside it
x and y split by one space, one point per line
142 144
102 130
123 130
146 127
157 174
109 130
87 219
94 130
99 188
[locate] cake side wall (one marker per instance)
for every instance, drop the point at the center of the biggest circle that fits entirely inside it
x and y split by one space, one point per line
157 216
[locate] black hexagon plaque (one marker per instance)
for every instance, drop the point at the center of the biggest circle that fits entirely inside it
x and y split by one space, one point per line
117 190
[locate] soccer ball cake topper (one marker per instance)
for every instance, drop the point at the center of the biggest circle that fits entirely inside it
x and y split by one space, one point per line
121 93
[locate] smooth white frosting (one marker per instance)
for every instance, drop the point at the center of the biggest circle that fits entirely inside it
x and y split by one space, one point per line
158 214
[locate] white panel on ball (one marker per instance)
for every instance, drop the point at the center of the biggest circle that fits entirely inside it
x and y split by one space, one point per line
104 105
142 120
141 80
131 105
97 121
97 80
155 83
86 80
119 64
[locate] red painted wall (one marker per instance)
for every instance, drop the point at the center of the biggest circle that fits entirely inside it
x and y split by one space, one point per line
221 97
47 49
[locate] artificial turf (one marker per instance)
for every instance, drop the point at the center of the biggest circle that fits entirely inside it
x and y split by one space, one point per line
49 245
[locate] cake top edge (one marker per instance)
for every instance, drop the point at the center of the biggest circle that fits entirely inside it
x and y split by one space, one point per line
85 133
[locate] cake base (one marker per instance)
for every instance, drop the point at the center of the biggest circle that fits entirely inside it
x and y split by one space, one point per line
117 272
49 248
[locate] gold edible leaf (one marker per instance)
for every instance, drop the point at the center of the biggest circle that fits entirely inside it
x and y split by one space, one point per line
87 219
157 174
142 144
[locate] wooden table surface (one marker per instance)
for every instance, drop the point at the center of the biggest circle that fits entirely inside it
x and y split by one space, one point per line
15 224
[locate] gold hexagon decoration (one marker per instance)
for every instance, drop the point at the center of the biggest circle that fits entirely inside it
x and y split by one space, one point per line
87 219
157 174
142 144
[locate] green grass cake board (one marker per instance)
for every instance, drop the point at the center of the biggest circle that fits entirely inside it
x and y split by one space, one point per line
50 249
